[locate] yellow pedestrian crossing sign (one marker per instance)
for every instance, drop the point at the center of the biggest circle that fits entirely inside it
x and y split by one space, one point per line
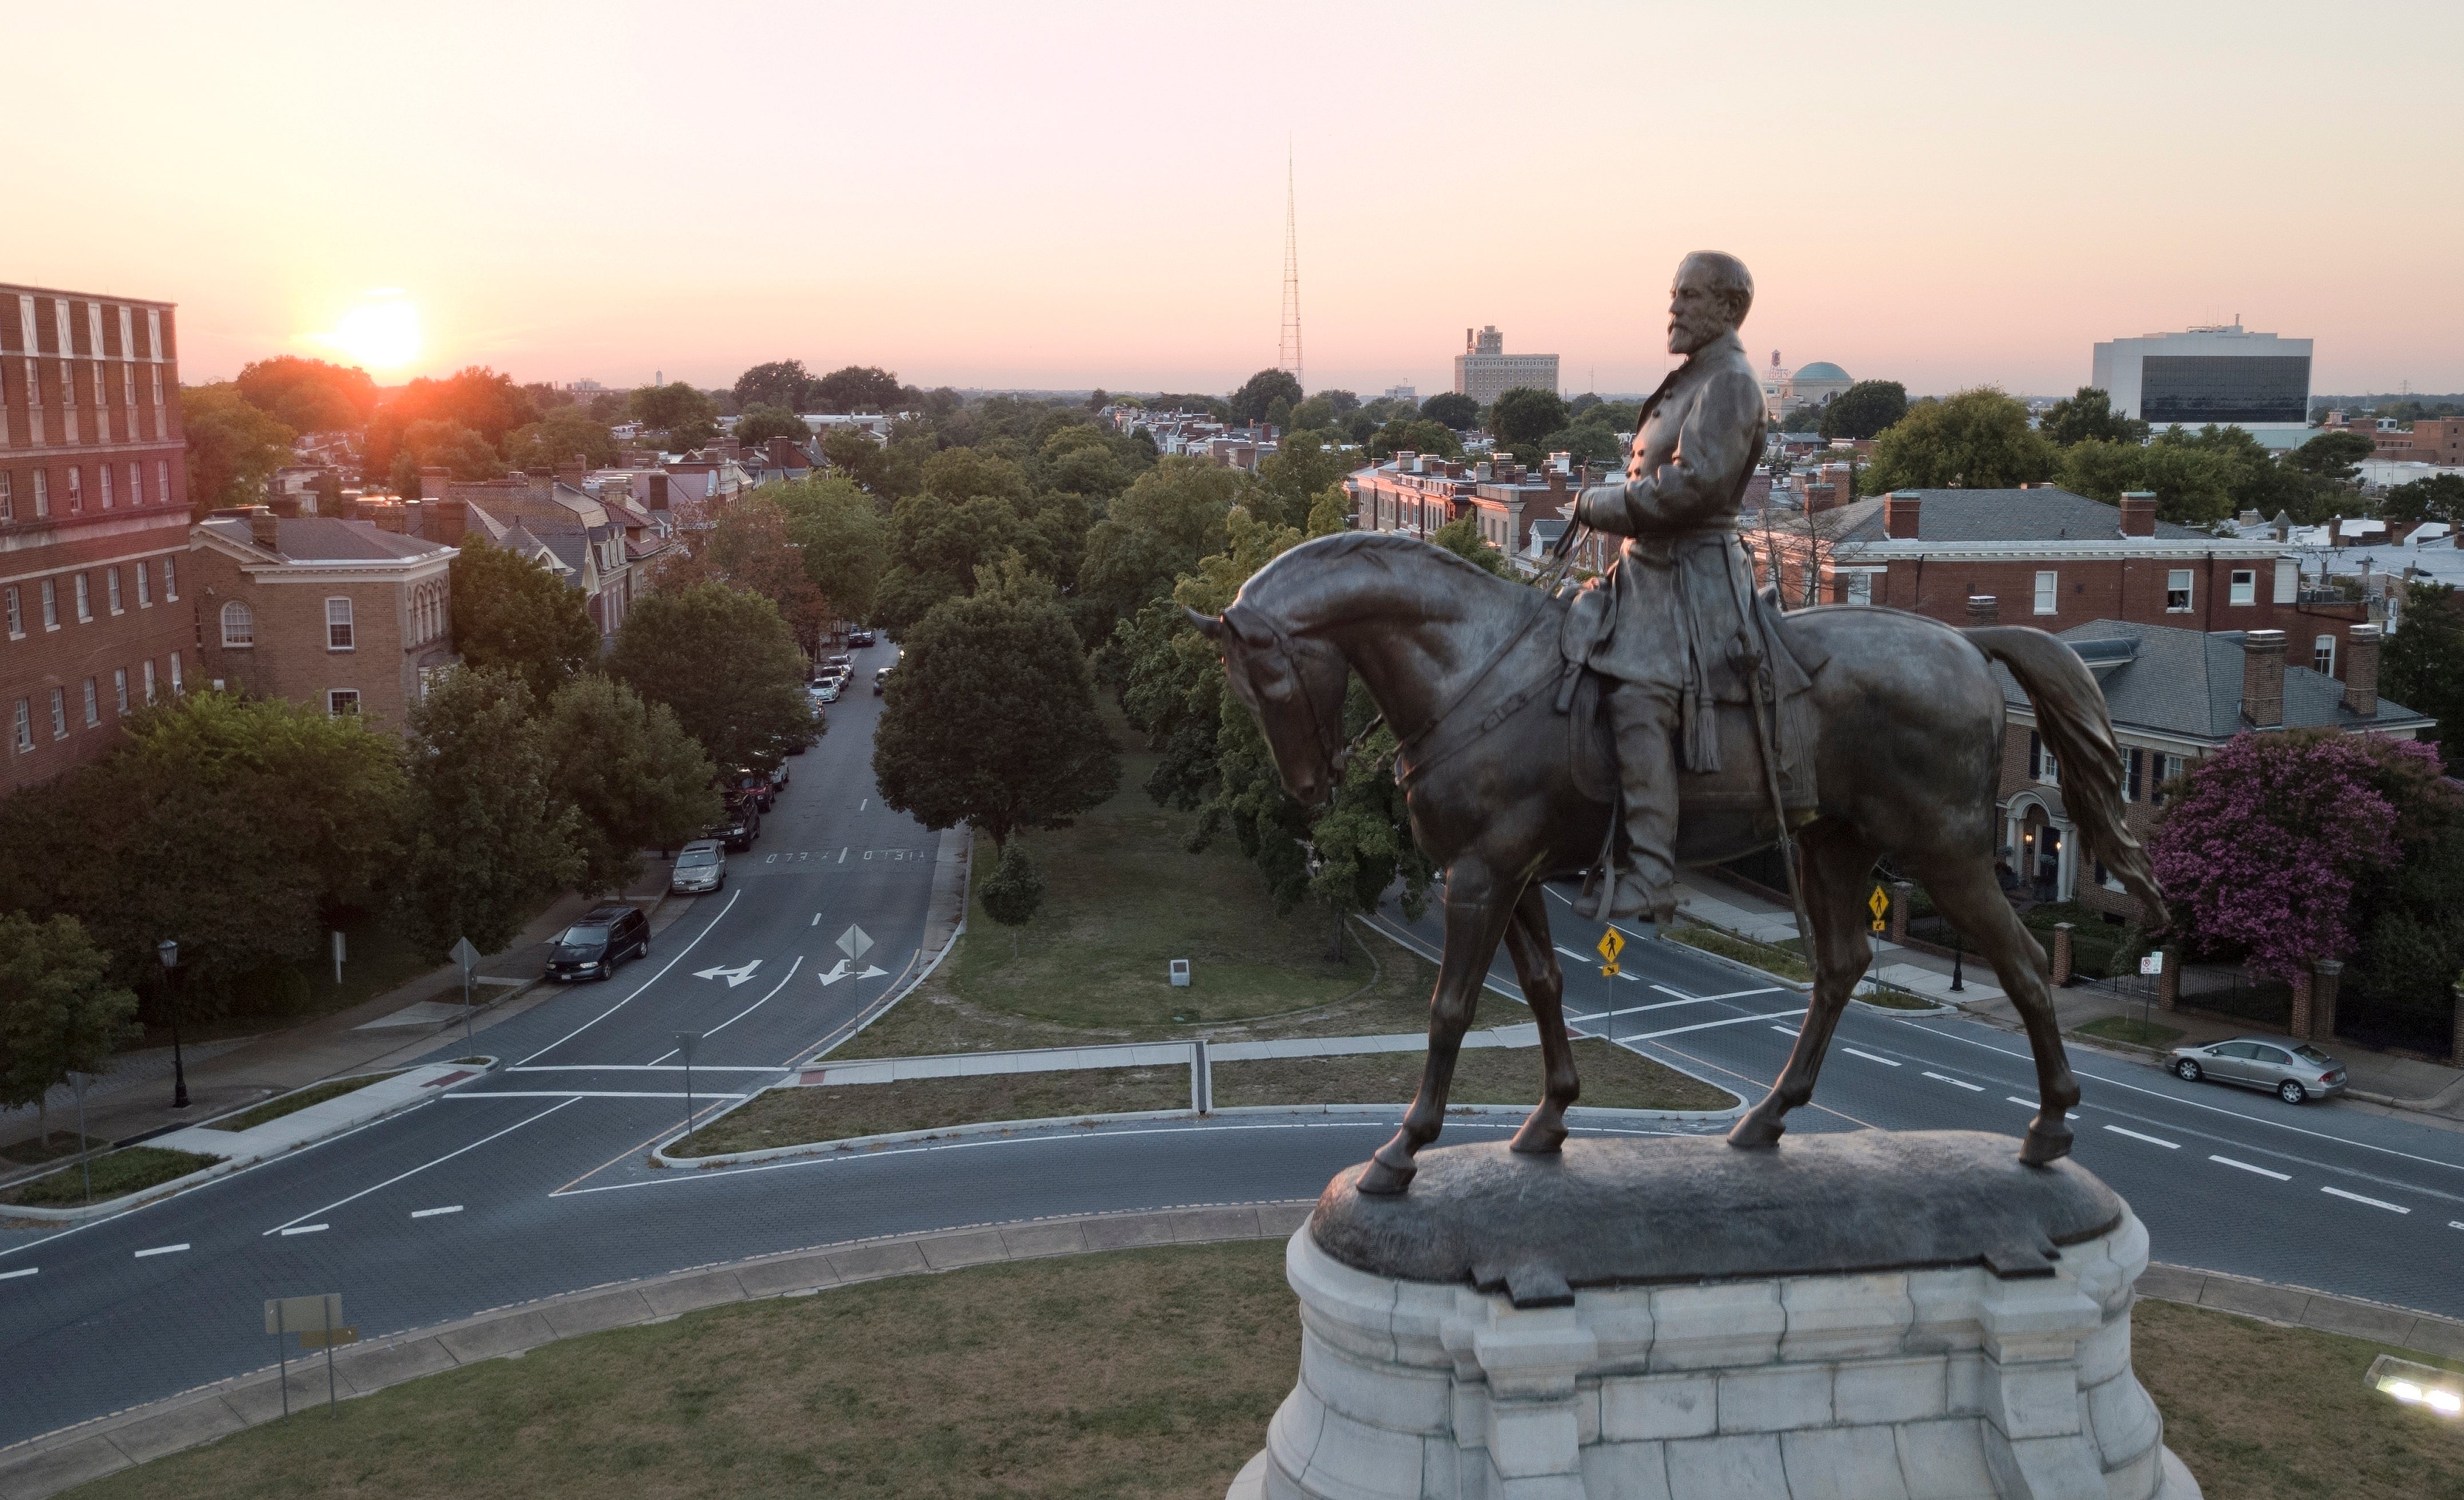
1878 904
1612 943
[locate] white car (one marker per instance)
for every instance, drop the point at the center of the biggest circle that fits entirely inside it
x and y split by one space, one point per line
828 691
700 866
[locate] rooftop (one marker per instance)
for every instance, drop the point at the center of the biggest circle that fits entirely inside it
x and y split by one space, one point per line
328 539
2044 513
2187 683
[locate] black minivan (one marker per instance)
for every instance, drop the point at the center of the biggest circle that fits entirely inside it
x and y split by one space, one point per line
606 936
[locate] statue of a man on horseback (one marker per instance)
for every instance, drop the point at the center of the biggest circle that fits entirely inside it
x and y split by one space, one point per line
1675 627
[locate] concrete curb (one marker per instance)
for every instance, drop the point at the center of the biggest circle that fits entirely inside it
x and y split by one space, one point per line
45 1466
2299 1307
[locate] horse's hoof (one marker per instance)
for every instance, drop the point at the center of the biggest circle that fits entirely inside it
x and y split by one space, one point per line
2048 1142
1756 1131
1378 1180
1539 1137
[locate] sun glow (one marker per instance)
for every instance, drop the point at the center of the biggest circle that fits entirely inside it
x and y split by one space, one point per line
382 333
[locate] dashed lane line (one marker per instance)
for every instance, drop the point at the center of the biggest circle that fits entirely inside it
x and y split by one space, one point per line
2281 1177
2374 1202
2034 1104
646 984
306 1228
12 1275
1956 1083
2153 1140
1786 1030
163 1250
415 1171
430 1213
1869 1057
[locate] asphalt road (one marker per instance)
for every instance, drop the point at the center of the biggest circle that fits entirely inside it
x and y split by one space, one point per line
532 1181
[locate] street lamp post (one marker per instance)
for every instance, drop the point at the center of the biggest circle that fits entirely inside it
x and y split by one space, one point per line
168 951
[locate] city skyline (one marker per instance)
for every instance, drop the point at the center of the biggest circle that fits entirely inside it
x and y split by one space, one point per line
552 193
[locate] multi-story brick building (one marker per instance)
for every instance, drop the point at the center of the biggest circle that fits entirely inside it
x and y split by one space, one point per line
341 614
559 522
94 520
1417 492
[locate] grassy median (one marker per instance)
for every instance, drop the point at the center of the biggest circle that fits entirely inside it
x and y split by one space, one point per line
1145 1373
797 1116
1612 1078
297 1100
116 1174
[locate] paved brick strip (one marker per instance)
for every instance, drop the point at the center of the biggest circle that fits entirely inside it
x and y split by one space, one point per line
57 1461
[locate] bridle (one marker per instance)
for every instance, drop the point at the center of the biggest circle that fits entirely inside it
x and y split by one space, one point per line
1250 626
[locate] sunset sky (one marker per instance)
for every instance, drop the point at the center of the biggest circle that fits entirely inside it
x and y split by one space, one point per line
1071 194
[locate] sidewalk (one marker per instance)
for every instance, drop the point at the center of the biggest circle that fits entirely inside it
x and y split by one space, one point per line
230 1076
2377 1078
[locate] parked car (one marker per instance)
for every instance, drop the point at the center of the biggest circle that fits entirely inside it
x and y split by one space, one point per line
860 639
2293 1071
777 775
755 785
700 866
738 827
593 947
880 681
841 663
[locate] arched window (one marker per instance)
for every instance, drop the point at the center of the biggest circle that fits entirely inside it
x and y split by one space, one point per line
239 625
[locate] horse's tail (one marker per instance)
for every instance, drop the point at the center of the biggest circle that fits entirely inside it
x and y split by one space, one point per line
2072 717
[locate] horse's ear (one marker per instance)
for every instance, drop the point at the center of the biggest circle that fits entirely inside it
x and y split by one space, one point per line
1212 625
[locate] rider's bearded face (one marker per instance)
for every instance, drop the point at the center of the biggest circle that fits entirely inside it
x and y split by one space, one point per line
1696 314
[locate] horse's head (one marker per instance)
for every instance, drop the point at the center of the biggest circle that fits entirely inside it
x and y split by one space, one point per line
1296 688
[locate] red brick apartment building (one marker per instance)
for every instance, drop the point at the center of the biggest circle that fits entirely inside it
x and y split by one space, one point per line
93 522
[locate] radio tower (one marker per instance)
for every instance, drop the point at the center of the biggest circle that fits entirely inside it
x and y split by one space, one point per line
1287 351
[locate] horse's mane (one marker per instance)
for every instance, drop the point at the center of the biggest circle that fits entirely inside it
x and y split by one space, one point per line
1297 586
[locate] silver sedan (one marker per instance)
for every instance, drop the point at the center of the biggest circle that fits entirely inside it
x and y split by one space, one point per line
2291 1069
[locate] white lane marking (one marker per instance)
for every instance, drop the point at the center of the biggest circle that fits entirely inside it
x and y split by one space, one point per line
571 1094
759 1004
1869 1057
2170 1145
842 854
1705 1026
1740 994
642 1068
2281 1177
816 921
646 984
2032 1104
12 1275
306 1228
2456 1224
1786 1030
163 1250
430 1213
1955 1083
2374 1202
1679 993
1634 1010
413 1172
866 802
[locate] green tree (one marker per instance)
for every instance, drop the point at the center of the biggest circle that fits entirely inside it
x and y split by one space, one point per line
784 384
554 441
1522 416
2423 668
1418 436
858 387
2192 486
936 545
491 836
2088 417
308 395
479 398
1461 537
761 424
990 719
724 662
1259 392
2439 497
628 768
1014 893
1451 408
844 540
1315 412
436 443
753 548
1329 513
512 614
1292 478
234 448
60 1011
1977 440
687 416
1156 531
1866 409
2333 456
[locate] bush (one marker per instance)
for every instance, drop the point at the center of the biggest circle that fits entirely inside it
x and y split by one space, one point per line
1015 892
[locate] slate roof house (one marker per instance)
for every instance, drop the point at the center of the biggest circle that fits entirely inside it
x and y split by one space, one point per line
2177 696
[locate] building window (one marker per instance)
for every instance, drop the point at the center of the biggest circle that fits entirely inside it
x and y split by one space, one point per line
2177 591
136 478
104 471
77 490
171 579
16 615
120 689
147 672
85 599
2049 588
111 589
145 589
25 726
342 701
93 705
239 625
1860 588
2130 775
2245 587
2040 761
177 686
338 625
2164 768
60 715
42 495
161 465
51 603
2323 655
8 501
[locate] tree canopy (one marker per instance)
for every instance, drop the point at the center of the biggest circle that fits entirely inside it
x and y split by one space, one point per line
2193 486
477 398
844 540
1156 531
1450 409
724 662
1976 439
637 780
234 448
1868 408
783 383
2439 497
762 422
2088 417
857 387
60 1011
2423 666
687 417
308 395
489 835
513 615
1262 391
1418 436
555 440
1521 417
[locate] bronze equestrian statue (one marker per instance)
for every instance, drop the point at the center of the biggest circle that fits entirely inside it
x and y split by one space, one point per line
1891 745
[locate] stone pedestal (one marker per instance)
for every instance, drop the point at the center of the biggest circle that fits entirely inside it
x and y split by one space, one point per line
1977 1348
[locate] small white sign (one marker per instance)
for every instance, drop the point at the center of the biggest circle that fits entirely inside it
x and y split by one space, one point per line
2153 963
1180 974
855 940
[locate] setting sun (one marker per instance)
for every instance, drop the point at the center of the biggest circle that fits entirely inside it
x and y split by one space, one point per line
381 333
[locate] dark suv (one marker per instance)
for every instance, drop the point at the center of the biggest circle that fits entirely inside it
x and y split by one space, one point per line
860 639
592 948
738 827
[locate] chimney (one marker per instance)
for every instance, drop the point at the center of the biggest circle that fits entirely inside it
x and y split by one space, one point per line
1983 611
2138 512
1900 511
2361 671
447 522
658 490
571 473
2262 678
264 528
1466 341
432 484
1821 498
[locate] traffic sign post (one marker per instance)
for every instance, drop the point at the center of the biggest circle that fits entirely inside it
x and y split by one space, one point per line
1612 943
1879 903
317 1320
686 1042
855 942
468 958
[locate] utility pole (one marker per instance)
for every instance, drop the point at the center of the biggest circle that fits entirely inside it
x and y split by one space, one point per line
1287 351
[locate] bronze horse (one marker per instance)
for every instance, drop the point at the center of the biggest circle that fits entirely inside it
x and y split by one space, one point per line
1908 757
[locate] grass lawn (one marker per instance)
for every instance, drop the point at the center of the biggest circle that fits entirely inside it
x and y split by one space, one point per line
794 1116
1134 1373
2142 1033
1890 997
116 1175
1612 1078
34 1151
298 1100
1761 956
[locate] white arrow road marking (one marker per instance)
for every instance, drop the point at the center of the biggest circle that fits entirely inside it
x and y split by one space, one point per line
2374 1202
839 971
644 985
734 977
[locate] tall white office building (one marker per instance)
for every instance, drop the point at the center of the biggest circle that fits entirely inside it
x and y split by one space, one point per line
2223 374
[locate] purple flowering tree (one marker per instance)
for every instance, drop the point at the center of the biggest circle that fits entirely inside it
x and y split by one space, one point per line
2263 846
